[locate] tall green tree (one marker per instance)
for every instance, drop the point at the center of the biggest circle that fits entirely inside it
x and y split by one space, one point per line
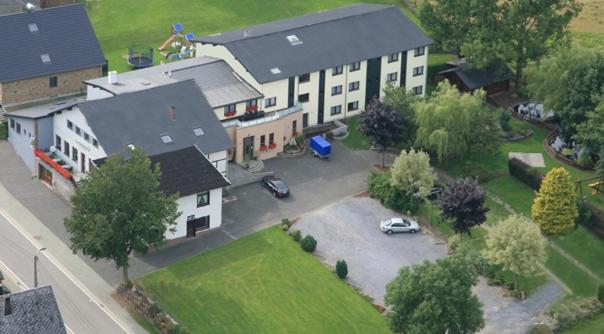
449 123
119 209
402 101
435 298
517 245
555 206
570 83
412 174
591 135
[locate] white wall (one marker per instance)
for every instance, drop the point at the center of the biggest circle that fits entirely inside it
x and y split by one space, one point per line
278 89
60 128
188 206
219 160
412 62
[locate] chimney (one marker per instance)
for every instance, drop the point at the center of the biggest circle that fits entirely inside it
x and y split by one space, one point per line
172 113
112 77
7 308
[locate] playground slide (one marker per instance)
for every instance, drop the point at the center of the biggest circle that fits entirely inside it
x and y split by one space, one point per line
167 42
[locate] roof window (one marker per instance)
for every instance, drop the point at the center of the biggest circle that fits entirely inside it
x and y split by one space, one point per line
275 70
294 40
166 139
33 27
198 132
45 58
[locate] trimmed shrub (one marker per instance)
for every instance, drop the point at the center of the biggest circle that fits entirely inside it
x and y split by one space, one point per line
524 173
601 293
296 235
390 197
541 329
285 224
341 269
504 121
308 244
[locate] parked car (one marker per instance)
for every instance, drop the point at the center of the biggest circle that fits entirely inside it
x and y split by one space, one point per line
276 186
397 224
435 191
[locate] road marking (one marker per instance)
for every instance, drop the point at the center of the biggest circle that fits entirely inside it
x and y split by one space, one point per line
229 234
20 282
59 266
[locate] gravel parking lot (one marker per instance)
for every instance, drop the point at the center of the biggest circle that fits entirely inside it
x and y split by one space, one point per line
349 230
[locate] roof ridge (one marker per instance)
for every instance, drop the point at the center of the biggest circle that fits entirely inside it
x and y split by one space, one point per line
42 9
382 7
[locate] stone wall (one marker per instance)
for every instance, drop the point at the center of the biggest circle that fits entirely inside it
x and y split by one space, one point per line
28 90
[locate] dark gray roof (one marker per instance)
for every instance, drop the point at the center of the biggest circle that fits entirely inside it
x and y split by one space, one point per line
63 33
33 311
141 118
331 38
187 172
474 77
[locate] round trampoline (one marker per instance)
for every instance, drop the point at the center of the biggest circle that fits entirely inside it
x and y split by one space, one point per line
140 56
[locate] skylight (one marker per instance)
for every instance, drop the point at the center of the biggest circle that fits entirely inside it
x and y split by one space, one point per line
198 132
166 139
45 58
294 40
275 70
32 27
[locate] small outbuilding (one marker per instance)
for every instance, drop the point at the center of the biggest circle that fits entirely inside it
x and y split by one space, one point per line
494 79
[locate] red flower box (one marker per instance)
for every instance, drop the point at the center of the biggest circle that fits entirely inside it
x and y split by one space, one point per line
272 146
230 113
251 108
263 148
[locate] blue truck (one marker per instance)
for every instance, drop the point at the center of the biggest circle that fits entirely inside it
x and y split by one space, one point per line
320 147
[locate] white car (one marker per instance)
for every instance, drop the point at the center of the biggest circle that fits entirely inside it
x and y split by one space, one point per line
393 225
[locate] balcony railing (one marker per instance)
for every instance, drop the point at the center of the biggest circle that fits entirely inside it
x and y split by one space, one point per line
275 116
57 164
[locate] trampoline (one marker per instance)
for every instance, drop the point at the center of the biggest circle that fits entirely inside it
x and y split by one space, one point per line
140 56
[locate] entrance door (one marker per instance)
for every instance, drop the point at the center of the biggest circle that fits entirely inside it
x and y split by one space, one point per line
248 148
197 225
45 175
372 86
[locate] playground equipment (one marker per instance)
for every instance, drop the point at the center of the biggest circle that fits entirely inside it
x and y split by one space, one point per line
597 186
181 45
140 56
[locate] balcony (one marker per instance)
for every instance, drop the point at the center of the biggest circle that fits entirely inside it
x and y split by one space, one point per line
54 161
261 120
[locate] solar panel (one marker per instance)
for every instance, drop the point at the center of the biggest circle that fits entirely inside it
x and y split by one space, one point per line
190 36
45 58
177 27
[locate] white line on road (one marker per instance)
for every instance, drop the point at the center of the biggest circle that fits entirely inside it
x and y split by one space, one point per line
22 283
74 280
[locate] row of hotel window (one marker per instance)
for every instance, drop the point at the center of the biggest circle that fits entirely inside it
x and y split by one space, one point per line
336 110
250 105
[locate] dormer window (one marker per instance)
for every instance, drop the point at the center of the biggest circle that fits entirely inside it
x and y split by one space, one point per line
166 139
32 27
45 58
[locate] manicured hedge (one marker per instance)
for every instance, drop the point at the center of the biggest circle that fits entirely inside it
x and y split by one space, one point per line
525 173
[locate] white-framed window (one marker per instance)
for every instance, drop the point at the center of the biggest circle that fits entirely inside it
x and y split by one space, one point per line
95 143
335 110
418 90
337 70
417 71
69 125
78 131
53 82
417 52
203 199
58 142
86 137
352 86
355 66
392 76
270 102
230 110
304 97
353 106
393 57
336 90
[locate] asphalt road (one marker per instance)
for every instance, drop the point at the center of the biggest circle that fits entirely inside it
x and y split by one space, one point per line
80 313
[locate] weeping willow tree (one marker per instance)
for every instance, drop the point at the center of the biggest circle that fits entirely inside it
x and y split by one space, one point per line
448 121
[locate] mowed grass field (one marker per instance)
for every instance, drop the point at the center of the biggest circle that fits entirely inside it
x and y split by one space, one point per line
263 283
120 24
588 28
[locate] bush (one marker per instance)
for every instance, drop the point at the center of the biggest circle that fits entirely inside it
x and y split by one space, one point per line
504 121
3 130
525 174
300 140
601 293
390 197
285 224
541 329
296 235
154 310
308 244
341 269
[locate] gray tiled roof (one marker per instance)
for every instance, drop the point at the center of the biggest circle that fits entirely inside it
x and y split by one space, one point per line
331 38
33 311
217 80
187 172
63 33
475 78
141 118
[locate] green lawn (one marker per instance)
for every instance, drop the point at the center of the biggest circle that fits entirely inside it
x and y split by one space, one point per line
356 140
263 283
120 24
579 282
585 247
590 326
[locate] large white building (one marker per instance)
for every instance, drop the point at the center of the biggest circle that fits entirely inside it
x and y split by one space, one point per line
332 62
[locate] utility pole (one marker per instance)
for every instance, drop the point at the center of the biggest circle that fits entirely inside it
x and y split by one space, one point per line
36 268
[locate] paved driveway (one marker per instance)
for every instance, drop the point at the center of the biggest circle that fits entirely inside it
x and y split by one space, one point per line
349 230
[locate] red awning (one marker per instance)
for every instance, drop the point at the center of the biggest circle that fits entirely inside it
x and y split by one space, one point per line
64 172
